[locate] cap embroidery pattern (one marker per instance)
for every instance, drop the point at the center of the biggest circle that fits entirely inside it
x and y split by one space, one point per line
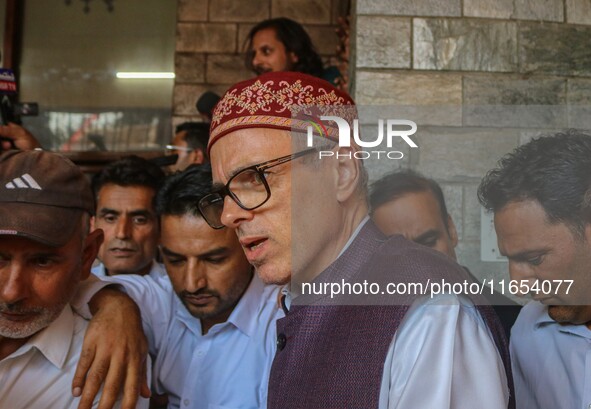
261 97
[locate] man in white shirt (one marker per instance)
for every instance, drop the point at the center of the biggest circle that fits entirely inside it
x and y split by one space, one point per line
541 198
124 193
407 203
302 218
45 251
211 322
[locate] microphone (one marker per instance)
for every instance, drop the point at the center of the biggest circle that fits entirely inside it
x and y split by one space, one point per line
206 103
10 110
7 96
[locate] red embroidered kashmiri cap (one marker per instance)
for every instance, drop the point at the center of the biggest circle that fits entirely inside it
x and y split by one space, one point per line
280 100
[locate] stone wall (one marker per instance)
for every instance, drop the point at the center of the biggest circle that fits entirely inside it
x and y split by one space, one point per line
210 41
472 53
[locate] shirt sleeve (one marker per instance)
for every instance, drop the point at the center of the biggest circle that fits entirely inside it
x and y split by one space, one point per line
443 356
86 290
155 301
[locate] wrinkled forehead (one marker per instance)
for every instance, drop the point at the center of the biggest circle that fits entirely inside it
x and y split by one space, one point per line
246 147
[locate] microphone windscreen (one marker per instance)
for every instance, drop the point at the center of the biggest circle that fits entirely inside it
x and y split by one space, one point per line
206 102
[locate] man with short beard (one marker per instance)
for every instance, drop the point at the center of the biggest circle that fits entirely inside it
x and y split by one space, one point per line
45 251
211 322
124 193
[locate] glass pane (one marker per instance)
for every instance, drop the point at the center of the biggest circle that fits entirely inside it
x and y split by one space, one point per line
69 63
2 17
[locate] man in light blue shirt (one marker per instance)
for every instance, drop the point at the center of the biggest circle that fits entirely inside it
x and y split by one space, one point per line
541 198
211 322
124 193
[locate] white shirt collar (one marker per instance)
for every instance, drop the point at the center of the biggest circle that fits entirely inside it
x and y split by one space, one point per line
244 316
543 319
286 291
54 341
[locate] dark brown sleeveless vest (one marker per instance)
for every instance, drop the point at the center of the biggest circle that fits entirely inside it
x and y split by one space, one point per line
331 353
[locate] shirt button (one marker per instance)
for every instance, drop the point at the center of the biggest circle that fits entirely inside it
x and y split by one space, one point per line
186 402
199 353
281 341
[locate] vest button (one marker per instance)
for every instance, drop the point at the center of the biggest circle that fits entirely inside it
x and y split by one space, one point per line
281 341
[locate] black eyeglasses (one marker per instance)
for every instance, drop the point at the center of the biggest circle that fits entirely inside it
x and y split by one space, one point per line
248 188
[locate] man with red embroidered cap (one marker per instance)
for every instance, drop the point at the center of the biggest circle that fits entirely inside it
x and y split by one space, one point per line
302 220
45 251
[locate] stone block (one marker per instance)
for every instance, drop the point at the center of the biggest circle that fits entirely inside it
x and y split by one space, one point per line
302 11
468 254
226 69
488 9
461 154
578 11
226 11
471 213
467 45
206 38
383 42
434 94
514 102
189 67
184 98
379 165
555 49
579 91
324 39
547 10
243 30
526 135
378 168
454 201
192 10
579 103
186 95
451 8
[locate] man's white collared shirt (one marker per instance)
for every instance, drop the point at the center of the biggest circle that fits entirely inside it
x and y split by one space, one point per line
156 271
226 368
39 374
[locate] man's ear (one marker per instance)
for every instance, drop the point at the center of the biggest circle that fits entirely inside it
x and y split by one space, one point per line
451 230
348 173
92 244
197 157
92 221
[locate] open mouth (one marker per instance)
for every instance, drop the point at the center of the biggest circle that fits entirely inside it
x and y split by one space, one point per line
254 248
255 244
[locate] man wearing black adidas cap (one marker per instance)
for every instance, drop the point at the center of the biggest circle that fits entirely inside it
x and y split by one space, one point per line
45 251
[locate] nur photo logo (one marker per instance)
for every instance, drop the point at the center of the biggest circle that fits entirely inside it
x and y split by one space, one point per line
388 130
